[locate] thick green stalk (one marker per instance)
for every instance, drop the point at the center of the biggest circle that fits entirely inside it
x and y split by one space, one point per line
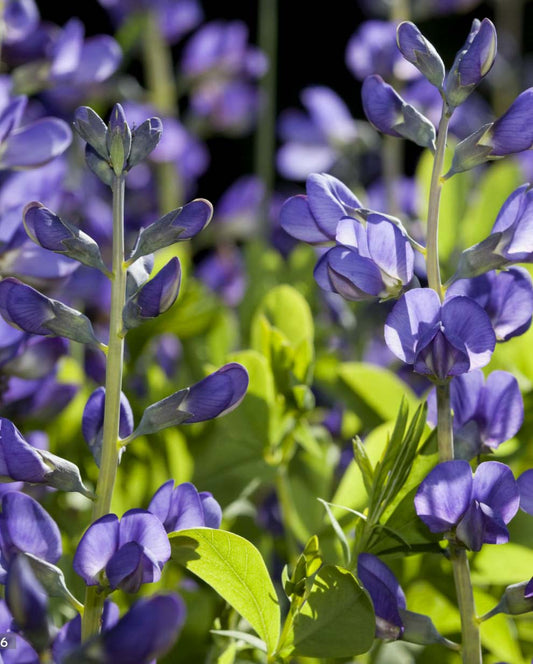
471 638
94 601
432 258
265 136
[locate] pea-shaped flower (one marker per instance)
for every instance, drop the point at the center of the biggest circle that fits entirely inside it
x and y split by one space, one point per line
372 260
123 553
420 52
440 340
506 296
184 507
471 508
314 218
26 527
485 413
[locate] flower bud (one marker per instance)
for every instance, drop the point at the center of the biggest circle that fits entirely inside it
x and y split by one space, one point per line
154 297
144 139
391 115
472 62
118 139
92 422
420 629
514 600
28 603
26 308
420 52
176 226
49 231
92 129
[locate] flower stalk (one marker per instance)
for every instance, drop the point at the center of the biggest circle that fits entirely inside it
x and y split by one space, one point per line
471 639
94 601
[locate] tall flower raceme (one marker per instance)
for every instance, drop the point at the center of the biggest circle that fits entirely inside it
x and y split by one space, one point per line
114 553
372 257
449 332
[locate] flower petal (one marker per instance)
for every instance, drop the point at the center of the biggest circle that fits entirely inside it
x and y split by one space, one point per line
416 314
464 320
296 220
147 530
502 408
444 495
495 485
329 200
525 486
352 275
96 548
36 144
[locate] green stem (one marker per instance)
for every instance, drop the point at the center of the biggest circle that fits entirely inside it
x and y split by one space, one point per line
432 258
265 137
444 423
471 638
288 513
94 601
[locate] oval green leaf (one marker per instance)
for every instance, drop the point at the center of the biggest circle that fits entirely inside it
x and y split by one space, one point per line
338 618
233 567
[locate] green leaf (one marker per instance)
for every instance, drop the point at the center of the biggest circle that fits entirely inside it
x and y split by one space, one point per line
338 531
502 564
338 618
233 567
380 389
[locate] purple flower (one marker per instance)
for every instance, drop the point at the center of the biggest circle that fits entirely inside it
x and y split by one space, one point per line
146 632
217 394
417 50
221 48
26 308
25 527
175 226
386 594
509 134
20 18
372 49
123 553
485 414
440 340
28 603
506 296
525 486
472 62
223 272
23 651
314 218
68 638
391 115
174 17
371 260
31 145
315 141
238 209
182 507
92 423
154 297
474 508
77 63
